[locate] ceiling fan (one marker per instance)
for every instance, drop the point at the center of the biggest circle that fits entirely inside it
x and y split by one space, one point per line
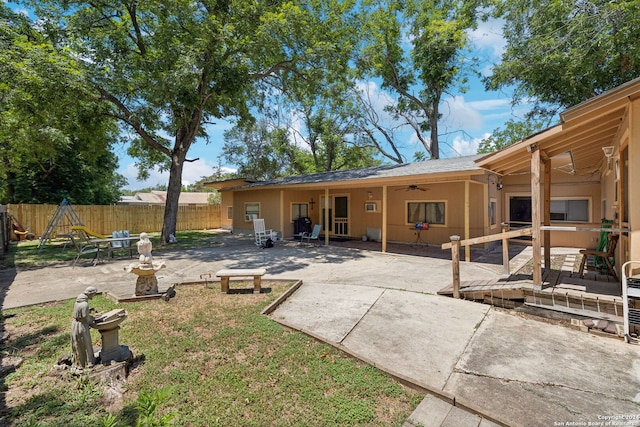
413 187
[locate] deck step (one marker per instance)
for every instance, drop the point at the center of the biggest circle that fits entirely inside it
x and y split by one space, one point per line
578 303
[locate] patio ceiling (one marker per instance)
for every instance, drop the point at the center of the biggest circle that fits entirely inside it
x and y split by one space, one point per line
584 130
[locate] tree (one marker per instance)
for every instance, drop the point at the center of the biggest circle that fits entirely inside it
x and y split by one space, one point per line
416 48
561 53
309 123
513 131
260 151
170 68
54 138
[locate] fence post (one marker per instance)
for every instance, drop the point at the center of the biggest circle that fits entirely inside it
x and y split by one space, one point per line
455 264
505 250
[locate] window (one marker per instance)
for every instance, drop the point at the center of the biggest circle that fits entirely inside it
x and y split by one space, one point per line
572 210
251 211
519 210
299 210
492 212
229 212
429 212
371 207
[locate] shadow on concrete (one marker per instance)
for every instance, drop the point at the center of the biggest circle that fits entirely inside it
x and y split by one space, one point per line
7 277
491 255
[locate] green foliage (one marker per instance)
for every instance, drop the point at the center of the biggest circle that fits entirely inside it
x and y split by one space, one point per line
309 123
55 139
433 62
109 420
561 53
169 68
513 132
148 404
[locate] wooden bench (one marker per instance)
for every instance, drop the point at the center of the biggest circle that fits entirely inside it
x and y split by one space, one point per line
256 273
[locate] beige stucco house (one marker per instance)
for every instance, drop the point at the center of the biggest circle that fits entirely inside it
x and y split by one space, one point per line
562 182
383 203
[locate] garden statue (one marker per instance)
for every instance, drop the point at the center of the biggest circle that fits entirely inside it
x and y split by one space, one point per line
144 249
81 345
146 268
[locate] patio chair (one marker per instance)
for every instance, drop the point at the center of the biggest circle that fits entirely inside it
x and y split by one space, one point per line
606 256
314 235
260 234
83 245
117 245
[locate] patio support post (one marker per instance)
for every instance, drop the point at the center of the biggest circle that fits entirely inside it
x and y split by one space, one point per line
467 249
326 216
547 211
505 250
384 218
282 212
455 264
535 215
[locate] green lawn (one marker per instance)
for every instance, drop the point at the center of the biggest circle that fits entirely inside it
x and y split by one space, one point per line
220 361
27 253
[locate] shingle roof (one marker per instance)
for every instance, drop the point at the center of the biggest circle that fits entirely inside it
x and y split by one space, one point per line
428 167
156 197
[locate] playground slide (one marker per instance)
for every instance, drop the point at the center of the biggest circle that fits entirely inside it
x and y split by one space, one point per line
88 231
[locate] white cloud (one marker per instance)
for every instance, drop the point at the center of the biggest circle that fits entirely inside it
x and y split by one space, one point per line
458 114
466 147
488 38
490 104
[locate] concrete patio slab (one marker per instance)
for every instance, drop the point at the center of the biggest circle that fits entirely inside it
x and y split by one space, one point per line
432 332
327 311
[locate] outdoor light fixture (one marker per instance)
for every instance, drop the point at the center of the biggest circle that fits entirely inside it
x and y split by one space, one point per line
369 195
498 181
608 151
311 202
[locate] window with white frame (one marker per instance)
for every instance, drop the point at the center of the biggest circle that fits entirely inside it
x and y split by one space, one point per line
570 210
492 212
251 211
429 212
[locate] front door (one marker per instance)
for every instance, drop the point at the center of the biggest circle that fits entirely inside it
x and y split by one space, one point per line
338 207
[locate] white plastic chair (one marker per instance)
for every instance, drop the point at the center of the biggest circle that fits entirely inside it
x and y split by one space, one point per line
260 234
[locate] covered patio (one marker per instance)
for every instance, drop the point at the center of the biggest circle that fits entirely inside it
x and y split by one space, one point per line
598 140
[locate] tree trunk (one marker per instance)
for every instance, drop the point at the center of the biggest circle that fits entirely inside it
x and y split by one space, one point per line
434 146
173 195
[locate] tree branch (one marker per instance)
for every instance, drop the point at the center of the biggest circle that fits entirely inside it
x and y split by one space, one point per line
137 126
282 65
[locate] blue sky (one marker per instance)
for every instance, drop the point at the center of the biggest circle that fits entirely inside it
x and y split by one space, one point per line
467 118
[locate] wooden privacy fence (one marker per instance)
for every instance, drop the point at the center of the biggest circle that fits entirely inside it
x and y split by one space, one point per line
106 219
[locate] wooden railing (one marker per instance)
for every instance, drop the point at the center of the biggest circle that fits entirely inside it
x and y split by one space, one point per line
456 243
104 219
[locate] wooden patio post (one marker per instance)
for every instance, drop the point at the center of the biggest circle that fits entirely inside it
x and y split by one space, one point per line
547 211
455 264
326 216
535 215
505 249
384 218
467 235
